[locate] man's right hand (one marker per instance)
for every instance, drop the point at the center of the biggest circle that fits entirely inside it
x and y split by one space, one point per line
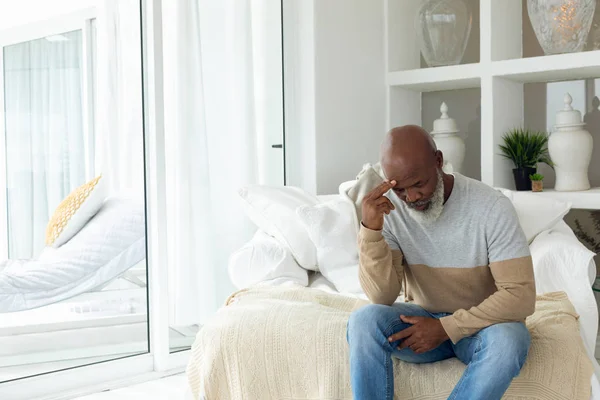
375 204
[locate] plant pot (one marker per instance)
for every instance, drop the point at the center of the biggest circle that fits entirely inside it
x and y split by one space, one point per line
522 180
537 186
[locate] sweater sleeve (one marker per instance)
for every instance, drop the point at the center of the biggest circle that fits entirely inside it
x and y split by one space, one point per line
380 268
512 269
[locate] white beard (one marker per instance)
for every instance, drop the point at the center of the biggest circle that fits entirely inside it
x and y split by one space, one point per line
436 205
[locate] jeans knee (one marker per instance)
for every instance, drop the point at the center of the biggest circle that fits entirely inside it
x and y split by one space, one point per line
365 321
363 317
508 345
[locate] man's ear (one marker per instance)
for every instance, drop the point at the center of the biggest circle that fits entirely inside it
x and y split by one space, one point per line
439 158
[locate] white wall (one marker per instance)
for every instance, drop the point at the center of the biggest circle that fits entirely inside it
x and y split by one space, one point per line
21 12
350 88
338 91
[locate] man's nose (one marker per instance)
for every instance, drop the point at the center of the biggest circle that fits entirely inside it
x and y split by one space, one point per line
413 195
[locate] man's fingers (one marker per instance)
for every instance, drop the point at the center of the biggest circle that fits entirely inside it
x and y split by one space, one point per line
384 208
401 335
408 342
384 205
381 189
410 320
384 200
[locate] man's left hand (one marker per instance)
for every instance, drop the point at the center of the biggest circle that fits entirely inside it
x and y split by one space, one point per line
424 335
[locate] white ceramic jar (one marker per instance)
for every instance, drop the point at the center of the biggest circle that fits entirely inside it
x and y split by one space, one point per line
446 137
570 147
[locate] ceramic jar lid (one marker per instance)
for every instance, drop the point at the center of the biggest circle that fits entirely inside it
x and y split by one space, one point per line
445 124
568 116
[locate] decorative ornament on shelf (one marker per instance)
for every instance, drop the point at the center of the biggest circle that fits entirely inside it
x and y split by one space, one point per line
525 149
570 147
561 26
537 182
443 28
446 137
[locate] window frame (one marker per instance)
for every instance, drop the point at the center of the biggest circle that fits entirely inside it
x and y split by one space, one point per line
158 362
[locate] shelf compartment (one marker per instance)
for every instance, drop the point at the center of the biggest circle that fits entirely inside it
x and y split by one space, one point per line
465 108
584 200
561 67
466 76
402 47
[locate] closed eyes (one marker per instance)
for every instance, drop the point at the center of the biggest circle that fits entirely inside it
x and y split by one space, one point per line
419 184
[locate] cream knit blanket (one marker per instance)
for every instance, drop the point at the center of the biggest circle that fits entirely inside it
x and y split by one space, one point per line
290 343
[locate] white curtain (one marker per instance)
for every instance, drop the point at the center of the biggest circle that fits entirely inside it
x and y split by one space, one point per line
119 145
45 156
216 112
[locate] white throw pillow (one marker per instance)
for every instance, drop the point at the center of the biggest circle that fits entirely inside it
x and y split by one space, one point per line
562 263
332 228
536 213
273 210
264 259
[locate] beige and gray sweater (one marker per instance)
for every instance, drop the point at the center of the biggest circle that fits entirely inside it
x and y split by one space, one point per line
473 261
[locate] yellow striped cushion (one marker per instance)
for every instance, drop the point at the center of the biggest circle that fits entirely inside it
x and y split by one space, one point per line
74 212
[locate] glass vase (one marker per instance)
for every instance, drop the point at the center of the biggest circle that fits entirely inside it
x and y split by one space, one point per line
593 39
443 28
561 26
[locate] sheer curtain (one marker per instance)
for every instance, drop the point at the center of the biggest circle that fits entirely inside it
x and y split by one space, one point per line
119 144
45 157
215 118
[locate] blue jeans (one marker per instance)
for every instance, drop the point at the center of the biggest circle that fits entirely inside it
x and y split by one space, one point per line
494 355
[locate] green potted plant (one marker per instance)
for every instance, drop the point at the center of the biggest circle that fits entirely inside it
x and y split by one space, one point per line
537 184
525 148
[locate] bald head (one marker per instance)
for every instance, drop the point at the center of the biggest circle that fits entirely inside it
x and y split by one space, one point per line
406 148
411 161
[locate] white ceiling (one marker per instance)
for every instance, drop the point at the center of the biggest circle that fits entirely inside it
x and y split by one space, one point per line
20 12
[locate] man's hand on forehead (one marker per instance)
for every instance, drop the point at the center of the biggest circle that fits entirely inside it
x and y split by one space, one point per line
375 205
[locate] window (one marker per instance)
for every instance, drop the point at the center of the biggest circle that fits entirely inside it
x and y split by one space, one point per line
85 301
235 111
45 142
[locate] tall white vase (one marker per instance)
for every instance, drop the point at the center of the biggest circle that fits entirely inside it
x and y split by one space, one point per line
446 137
570 147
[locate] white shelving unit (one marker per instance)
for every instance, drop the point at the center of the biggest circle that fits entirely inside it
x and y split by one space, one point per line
587 200
500 74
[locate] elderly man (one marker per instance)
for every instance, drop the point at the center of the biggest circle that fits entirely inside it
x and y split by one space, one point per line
456 247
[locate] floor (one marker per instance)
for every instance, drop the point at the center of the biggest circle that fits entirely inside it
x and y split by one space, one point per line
169 388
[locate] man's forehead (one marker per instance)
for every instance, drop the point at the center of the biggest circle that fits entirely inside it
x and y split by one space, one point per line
406 182
399 170
403 177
